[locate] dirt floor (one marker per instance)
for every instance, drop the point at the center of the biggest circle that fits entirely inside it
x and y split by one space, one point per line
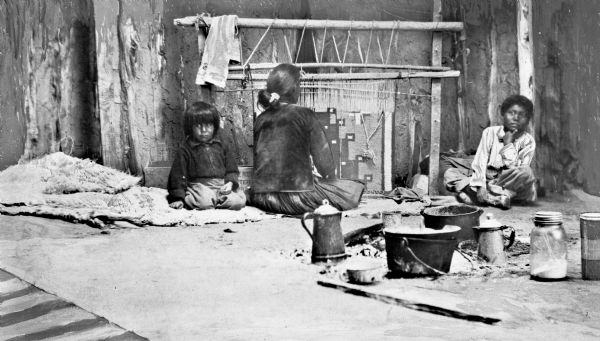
254 281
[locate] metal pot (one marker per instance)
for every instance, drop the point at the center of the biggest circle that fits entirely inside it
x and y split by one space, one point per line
465 216
410 253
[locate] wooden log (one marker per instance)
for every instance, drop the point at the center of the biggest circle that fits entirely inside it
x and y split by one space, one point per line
367 76
410 304
434 75
493 79
330 24
109 84
461 107
436 105
268 66
525 49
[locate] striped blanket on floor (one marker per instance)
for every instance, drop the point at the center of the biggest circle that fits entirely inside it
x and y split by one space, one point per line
28 313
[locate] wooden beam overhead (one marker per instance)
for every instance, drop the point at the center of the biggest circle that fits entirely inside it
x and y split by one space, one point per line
364 76
269 66
330 24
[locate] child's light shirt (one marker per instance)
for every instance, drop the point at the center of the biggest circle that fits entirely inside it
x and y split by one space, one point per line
493 153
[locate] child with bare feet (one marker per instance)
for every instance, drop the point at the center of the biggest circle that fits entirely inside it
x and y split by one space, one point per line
500 172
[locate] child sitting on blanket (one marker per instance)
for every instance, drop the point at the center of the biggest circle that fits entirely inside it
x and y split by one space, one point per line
204 174
500 172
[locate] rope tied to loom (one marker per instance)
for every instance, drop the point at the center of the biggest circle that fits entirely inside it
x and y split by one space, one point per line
367 152
369 45
246 66
247 78
258 44
387 57
301 38
347 41
323 44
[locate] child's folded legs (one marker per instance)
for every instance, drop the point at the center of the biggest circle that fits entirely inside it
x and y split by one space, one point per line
200 197
236 200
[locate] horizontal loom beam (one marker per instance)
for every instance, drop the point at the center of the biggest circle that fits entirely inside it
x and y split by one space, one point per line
330 24
269 66
364 76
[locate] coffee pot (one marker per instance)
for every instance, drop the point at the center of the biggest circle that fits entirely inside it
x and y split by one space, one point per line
328 240
491 240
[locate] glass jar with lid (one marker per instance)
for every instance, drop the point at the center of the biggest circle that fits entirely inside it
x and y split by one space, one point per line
548 253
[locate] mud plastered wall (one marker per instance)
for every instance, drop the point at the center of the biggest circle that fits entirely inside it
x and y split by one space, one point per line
566 71
147 69
492 69
147 66
491 73
47 80
413 104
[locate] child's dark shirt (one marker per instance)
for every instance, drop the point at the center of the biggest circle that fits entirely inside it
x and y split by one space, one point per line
195 160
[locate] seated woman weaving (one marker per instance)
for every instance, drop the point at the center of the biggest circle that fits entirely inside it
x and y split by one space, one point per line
286 138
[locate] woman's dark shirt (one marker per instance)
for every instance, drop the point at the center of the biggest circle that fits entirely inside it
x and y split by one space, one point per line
284 140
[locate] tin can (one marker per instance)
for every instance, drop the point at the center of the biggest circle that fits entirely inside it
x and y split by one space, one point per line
589 224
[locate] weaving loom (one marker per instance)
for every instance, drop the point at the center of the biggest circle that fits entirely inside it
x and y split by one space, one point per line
359 120
356 102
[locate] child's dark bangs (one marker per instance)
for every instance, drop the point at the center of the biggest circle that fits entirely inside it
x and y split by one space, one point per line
202 118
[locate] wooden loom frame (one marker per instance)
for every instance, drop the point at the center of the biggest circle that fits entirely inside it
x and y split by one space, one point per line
435 71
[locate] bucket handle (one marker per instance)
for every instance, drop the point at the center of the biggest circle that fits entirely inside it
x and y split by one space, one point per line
307 215
404 243
511 238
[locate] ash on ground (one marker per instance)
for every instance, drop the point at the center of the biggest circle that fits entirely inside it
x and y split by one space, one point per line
368 246
465 262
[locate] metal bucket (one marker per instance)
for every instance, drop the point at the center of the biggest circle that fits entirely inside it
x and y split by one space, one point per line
411 255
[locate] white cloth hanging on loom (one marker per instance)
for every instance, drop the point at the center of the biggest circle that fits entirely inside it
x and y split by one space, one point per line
222 45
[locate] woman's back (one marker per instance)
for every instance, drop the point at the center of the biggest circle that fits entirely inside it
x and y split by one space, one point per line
284 140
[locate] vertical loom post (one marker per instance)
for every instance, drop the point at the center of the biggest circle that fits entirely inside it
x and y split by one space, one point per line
388 132
436 104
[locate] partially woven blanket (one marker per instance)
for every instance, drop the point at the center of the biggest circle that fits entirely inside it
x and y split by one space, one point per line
70 188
